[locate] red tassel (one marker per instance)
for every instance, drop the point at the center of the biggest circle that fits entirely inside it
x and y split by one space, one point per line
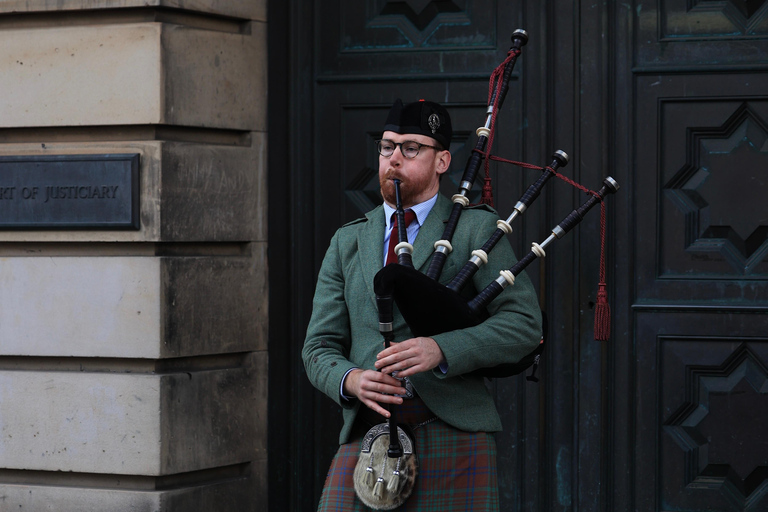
602 314
487 197
602 309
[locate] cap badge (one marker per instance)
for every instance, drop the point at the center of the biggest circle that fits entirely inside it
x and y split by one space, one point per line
434 122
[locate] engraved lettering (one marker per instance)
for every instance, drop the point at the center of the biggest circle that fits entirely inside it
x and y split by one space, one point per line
74 192
70 191
29 193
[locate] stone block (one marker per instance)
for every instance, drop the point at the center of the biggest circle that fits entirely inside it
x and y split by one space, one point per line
130 424
214 79
240 494
214 193
245 9
132 307
69 76
88 307
48 498
214 418
133 74
214 305
189 192
68 421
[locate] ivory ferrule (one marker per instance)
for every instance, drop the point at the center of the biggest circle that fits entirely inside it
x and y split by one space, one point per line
443 246
479 257
460 198
508 277
483 132
504 226
403 247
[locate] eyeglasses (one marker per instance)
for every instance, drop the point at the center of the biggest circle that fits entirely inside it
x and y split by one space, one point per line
409 148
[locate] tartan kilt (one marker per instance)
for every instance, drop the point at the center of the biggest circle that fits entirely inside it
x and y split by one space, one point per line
457 473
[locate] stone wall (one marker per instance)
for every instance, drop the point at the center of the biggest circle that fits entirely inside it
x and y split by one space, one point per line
133 362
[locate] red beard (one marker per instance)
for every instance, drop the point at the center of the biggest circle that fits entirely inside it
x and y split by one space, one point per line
388 189
409 189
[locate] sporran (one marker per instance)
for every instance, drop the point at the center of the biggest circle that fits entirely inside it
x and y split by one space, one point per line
383 482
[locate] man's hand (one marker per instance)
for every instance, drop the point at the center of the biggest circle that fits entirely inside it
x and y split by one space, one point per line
372 388
410 357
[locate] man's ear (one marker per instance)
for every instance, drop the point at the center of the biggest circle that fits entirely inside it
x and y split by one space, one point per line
443 161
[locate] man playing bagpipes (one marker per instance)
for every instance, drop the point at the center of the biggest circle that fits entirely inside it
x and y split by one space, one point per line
440 400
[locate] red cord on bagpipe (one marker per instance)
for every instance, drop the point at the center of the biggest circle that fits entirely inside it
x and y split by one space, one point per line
602 326
494 84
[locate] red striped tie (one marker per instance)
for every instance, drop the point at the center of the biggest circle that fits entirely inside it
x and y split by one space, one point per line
410 216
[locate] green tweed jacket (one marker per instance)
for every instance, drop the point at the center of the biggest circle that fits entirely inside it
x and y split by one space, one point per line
343 332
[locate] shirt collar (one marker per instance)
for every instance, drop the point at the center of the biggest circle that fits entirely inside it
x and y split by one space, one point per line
421 210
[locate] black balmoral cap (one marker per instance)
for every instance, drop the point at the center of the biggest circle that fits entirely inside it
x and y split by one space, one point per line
421 117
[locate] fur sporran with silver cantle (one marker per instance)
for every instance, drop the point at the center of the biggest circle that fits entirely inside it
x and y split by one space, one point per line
383 482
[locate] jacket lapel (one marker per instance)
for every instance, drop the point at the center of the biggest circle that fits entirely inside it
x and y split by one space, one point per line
370 243
430 232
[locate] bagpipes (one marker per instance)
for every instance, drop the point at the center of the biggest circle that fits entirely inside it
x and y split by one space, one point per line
448 309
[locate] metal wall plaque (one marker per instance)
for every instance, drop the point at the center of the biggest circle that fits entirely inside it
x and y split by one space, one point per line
69 192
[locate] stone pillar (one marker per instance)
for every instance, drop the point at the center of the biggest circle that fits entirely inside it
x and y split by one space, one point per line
133 362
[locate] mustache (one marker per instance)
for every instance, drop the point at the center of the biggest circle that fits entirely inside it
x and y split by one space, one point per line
391 174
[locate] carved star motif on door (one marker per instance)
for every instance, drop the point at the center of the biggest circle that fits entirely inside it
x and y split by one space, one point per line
364 190
747 7
727 168
721 427
421 13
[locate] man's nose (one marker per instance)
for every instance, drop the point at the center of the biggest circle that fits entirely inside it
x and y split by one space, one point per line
397 154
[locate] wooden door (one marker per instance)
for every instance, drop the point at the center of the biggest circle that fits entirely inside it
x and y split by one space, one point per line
668 97
699 224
